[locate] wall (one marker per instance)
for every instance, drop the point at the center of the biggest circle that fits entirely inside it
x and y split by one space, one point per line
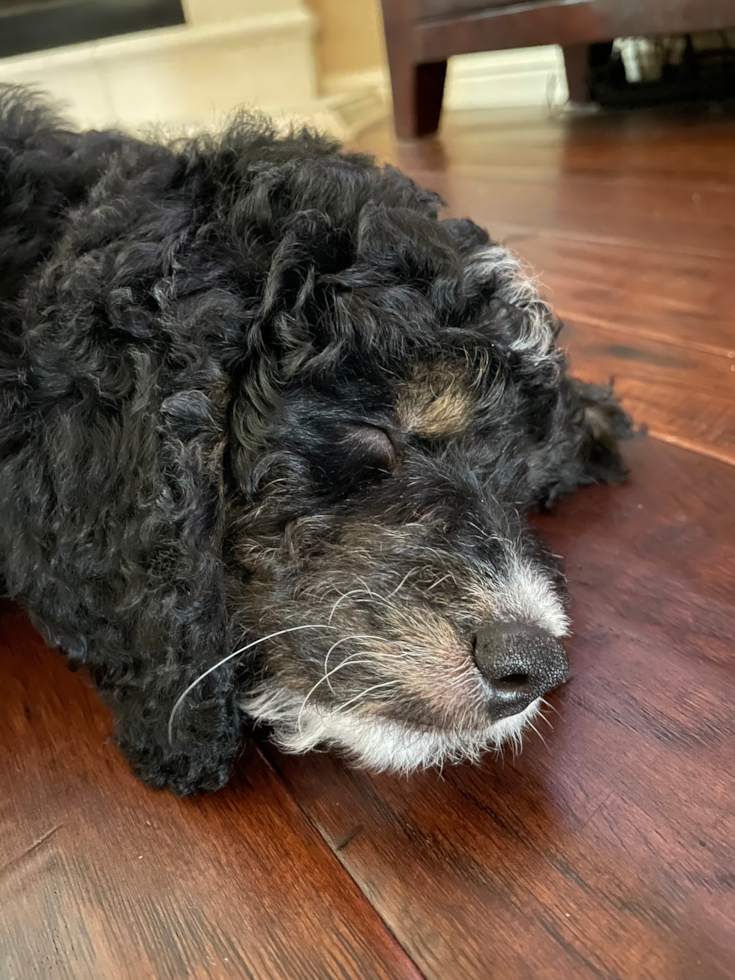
350 36
351 54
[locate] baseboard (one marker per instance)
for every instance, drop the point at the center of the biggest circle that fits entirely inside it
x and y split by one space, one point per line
520 77
186 74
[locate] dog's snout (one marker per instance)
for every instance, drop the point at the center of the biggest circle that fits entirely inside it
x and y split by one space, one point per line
519 663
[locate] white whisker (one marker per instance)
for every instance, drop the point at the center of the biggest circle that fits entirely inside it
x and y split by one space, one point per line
326 678
224 660
362 694
342 599
534 729
355 636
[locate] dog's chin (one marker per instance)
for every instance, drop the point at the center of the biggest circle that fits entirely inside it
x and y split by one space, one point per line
380 743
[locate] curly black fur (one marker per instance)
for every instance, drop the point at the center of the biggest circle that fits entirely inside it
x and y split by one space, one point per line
202 347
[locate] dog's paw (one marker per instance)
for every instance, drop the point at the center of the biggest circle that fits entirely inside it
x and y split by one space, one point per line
192 756
183 772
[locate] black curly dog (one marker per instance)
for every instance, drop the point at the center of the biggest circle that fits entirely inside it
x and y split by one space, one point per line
268 431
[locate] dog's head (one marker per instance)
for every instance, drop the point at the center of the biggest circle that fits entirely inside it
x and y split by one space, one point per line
384 459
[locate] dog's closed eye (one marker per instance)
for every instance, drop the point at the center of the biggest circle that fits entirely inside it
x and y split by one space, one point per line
371 445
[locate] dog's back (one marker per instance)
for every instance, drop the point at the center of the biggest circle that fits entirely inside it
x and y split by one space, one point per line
44 171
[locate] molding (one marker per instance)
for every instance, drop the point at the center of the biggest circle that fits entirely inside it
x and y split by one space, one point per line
519 77
337 83
344 115
188 78
184 75
163 40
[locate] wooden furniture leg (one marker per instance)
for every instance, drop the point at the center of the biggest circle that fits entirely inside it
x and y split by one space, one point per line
417 98
418 89
576 63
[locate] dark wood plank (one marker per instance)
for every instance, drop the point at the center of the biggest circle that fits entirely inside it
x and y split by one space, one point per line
607 852
684 396
685 300
674 218
662 325
103 878
665 145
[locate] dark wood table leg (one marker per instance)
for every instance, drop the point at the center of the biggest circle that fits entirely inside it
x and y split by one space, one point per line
417 98
576 63
418 89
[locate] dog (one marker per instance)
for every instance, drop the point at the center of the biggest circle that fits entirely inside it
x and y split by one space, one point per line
270 432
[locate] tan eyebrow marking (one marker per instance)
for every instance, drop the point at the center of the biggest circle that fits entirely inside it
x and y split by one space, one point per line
435 402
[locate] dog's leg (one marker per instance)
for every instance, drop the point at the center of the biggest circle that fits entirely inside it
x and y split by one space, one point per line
187 744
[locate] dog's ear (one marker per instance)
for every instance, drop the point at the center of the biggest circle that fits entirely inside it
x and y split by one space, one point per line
583 447
117 521
605 424
466 235
166 569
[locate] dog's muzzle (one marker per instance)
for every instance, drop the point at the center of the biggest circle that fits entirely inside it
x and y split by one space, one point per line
519 663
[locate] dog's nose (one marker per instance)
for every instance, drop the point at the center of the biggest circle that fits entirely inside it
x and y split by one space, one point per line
519 663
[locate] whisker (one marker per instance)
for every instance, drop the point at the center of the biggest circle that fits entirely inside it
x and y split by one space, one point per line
179 701
533 728
321 681
362 694
342 599
547 704
355 636
543 717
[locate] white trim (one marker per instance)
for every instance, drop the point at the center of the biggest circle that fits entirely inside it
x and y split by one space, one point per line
162 41
193 74
518 77
337 83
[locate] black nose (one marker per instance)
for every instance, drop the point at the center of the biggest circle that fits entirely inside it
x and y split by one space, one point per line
520 663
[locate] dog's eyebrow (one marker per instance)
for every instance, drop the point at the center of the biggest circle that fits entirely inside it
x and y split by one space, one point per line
435 402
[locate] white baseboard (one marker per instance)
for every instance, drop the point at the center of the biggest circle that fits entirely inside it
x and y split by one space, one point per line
178 75
520 77
195 74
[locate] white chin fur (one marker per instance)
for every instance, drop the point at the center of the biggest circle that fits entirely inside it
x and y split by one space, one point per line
379 743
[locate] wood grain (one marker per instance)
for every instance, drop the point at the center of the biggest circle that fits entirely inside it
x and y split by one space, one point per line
605 851
661 145
101 877
685 397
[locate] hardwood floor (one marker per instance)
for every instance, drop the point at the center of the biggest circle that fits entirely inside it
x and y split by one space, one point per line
607 849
